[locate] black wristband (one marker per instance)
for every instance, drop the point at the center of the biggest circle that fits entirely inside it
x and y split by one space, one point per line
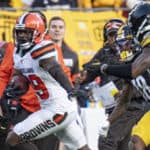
121 71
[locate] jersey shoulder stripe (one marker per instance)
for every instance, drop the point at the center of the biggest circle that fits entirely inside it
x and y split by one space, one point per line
146 40
43 50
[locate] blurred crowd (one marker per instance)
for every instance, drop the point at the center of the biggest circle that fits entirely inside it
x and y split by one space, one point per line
126 5
66 4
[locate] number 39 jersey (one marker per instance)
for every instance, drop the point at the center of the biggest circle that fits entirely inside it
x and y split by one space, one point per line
48 90
142 84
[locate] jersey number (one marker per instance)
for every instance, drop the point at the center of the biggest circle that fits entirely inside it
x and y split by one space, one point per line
142 86
39 86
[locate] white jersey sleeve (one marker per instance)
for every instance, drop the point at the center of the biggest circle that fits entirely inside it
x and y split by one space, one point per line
43 50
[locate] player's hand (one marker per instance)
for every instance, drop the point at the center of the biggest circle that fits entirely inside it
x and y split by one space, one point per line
4 125
93 66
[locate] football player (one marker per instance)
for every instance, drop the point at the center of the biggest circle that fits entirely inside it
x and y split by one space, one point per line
129 103
37 60
137 70
28 102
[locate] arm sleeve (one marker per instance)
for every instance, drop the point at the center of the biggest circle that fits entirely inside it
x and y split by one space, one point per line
122 71
90 75
99 55
6 68
54 68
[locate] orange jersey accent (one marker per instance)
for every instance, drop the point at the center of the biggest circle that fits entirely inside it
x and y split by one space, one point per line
42 51
6 67
58 118
29 100
73 77
47 36
61 60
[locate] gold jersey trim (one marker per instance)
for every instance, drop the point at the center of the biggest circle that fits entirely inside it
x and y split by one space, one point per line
146 40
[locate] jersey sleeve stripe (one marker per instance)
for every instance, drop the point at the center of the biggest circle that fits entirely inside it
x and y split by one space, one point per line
41 52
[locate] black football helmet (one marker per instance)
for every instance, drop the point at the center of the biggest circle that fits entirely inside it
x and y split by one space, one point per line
125 43
111 26
124 33
139 20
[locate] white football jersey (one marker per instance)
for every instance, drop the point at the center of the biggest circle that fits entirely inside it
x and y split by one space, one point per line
48 90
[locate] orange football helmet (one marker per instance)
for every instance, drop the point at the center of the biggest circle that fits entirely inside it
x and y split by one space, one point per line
28 30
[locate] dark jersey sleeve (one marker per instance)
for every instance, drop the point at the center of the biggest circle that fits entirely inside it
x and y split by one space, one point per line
69 54
99 55
90 75
75 68
105 55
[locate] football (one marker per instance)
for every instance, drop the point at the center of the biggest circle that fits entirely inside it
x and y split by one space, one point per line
20 83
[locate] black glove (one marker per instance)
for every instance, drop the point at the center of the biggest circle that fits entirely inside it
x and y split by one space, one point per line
10 106
93 66
14 105
4 125
77 93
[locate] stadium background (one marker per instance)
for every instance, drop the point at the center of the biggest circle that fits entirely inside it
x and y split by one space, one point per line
83 28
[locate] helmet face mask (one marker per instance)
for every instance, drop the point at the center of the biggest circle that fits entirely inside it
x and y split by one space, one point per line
125 49
111 27
125 43
24 37
28 30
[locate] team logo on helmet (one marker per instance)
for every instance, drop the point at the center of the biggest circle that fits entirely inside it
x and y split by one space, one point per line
29 29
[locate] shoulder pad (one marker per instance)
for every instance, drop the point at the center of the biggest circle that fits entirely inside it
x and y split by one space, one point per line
42 48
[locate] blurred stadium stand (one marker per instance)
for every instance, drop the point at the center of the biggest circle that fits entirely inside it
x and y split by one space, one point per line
84 26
